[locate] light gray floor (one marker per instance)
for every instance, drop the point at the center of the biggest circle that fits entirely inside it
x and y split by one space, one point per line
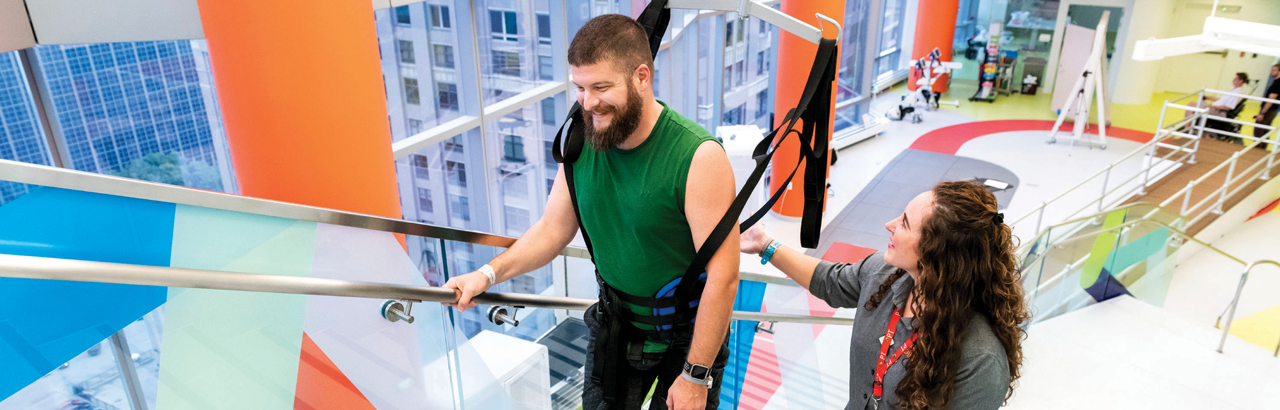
861 223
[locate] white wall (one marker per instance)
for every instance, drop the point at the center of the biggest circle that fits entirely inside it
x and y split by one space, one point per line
1189 73
1136 80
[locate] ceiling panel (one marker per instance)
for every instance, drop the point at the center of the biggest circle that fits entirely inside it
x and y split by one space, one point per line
106 21
15 29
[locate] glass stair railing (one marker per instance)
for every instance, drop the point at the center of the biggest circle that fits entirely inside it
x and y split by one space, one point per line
122 294
1128 250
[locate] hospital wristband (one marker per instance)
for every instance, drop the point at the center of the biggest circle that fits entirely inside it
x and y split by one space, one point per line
768 252
489 273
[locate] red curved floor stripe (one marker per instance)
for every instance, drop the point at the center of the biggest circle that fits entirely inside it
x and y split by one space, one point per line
947 140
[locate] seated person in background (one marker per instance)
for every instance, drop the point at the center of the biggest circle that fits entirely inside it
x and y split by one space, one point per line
1226 103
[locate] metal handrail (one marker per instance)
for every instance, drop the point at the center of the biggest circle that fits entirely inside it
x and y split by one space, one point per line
33 174
32 267
1244 96
1225 190
1235 301
1162 132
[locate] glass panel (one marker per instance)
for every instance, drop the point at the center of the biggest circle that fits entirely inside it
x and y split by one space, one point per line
22 137
849 80
144 340
1027 32
748 54
1076 264
143 110
579 11
889 52
523 170
91 380
426 65
510 46
220 349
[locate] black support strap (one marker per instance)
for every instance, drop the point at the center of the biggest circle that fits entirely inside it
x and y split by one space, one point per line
616 318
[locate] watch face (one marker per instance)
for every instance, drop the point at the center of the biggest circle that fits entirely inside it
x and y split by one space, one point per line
697 371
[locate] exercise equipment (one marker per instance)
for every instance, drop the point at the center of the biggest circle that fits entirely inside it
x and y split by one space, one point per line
930 69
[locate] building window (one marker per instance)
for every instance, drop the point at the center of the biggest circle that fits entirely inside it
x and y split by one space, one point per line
763 27
742 30
516 186
728 78
736 115
424 201
448 96
457 172
760 63
762 99
444 55
402 15
513 149
503 25
421 167
406 51
440 16
460 207
728 33
415 126
549 113
411 91
506 63
544 29
453 144
545 69
741 70
517 219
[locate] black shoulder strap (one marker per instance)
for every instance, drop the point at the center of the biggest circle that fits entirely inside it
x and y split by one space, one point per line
813 145
816 119
654 19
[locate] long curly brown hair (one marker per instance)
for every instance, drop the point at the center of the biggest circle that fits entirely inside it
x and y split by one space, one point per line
966 265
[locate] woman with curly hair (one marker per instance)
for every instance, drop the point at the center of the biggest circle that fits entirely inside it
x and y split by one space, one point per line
938 317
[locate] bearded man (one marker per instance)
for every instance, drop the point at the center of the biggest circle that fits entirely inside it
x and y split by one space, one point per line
650 187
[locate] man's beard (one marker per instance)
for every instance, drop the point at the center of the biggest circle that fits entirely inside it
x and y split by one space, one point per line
625 121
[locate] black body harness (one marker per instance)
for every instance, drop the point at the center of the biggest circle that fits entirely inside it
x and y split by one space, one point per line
611 345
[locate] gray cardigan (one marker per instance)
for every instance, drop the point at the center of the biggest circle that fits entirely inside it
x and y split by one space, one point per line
983 375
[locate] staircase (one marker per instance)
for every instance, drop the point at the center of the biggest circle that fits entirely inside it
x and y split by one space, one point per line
1128 354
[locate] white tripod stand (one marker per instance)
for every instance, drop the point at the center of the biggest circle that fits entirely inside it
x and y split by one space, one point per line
1092 81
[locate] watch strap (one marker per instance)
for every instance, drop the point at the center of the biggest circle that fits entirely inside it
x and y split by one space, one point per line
704 382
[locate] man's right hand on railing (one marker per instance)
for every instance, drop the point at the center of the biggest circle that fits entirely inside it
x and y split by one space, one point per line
466 287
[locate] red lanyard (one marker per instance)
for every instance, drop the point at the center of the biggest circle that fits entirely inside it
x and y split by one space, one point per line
883 365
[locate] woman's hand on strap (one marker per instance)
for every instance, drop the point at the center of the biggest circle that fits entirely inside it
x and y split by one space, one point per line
754 240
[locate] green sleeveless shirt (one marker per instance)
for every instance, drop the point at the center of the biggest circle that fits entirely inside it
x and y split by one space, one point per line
632 205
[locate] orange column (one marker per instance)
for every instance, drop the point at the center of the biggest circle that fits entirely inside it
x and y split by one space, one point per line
300 88
935 27
795 59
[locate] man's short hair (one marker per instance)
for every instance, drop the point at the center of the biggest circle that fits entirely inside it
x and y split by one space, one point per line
615 38
1243 76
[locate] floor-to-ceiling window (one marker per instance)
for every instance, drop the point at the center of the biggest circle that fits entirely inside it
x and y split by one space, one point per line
853 85
144 110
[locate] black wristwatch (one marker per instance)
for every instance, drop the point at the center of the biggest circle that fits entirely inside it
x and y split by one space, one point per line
697 374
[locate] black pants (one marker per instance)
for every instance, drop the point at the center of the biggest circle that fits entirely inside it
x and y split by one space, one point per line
638 374
1267 118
